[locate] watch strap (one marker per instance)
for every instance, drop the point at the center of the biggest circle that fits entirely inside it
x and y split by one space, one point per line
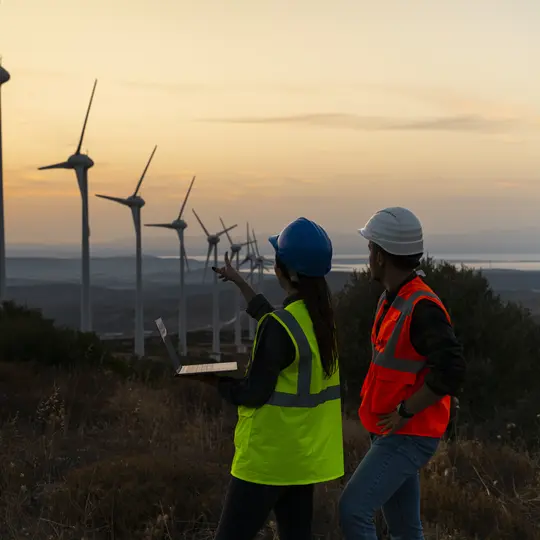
403 412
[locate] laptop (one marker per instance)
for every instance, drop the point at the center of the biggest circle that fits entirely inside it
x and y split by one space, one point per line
195 368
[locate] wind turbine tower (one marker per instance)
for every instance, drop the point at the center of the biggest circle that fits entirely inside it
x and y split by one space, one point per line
135 202
213 241
179 225
4 78
235 258
80 163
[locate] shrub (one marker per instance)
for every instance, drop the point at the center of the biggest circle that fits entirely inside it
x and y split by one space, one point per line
26 335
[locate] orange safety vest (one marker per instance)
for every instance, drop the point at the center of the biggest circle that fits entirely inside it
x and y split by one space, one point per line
397 371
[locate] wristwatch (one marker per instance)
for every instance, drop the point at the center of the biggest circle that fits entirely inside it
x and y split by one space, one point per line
403 412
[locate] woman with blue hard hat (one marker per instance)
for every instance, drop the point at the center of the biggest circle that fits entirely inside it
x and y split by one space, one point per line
289 432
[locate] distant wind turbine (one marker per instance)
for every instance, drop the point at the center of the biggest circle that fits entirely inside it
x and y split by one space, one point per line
213 241
235 258
80 163
251 257
179 225
260 262
135 203
4 78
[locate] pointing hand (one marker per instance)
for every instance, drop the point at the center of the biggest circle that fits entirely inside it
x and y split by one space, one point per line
227 272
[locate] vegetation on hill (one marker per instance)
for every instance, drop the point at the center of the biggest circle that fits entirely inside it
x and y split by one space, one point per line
25 334
90 450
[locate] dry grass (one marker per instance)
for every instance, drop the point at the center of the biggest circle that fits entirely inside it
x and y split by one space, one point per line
89 456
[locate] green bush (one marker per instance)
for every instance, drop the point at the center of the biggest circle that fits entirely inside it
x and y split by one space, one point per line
26 335
501 342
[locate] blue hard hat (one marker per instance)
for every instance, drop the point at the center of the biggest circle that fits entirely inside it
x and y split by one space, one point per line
304 247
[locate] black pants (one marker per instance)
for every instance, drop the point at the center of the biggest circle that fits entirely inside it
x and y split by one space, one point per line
248 505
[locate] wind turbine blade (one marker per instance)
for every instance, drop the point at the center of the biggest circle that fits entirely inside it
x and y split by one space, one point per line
185 200
184 254
248 242
86 118
164 225
144 172
207 259
64 165
201 223
114 199
226 231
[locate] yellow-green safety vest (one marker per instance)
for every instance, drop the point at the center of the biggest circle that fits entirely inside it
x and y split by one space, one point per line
296 437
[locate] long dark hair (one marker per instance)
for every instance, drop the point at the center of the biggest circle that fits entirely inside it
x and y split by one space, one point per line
315 293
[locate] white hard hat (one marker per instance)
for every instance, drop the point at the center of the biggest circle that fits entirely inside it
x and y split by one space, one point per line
396 230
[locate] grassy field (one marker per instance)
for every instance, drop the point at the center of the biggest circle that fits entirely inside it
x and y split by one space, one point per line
88 455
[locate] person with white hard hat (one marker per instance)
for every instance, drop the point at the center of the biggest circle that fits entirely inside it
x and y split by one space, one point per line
417 366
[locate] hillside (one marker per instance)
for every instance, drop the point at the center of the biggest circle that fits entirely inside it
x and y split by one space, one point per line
95 446
89 455
53 286
113 305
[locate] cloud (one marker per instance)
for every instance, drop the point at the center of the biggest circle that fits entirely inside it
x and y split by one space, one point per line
235 88
455 102
457 123
40 73
34 190
521 184
169 88
508 184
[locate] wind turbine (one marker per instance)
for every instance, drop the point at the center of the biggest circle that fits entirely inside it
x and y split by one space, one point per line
80 163
251 257
4 78
260 263
179 225
257 262
213 241
235 257
135 203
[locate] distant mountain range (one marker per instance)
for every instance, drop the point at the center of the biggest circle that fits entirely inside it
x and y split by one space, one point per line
525 241
53 285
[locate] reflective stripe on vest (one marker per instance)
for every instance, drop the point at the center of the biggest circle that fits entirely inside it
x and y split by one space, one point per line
388 358
303 397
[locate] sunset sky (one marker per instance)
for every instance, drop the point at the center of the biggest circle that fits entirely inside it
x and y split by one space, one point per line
328 109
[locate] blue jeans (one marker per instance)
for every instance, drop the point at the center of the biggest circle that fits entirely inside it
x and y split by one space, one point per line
387 478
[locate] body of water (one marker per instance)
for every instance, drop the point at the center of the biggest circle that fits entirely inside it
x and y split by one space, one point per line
491 261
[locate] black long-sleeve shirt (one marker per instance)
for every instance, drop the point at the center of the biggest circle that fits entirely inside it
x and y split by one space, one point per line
432 336
274 352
